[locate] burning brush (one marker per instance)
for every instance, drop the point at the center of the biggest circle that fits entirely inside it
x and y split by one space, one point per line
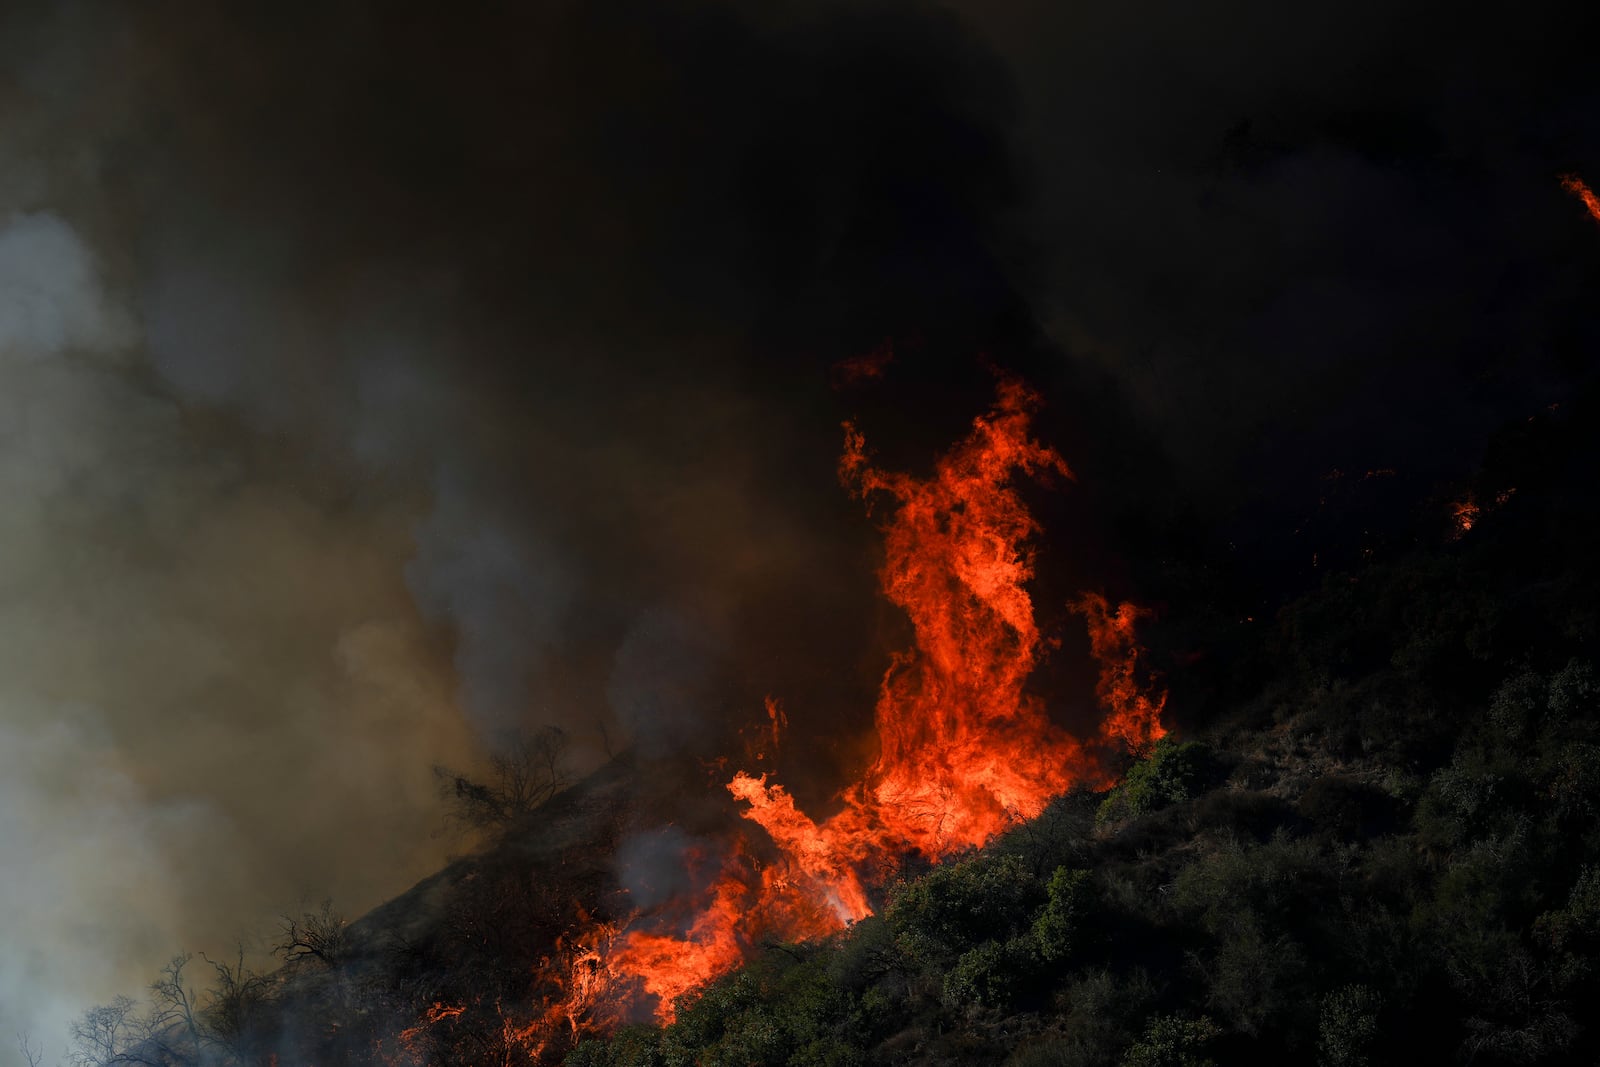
965 751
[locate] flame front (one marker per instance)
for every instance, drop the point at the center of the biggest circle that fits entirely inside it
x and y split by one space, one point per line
964 749
965 752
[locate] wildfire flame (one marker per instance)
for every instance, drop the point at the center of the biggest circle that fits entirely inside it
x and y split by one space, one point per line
1467 511
779 720
965 752
410 1036
1133 712
1576 186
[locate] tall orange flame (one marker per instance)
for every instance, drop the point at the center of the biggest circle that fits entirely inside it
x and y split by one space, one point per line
1133 711
965 752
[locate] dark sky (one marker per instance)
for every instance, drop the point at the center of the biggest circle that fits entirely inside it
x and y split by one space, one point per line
377 379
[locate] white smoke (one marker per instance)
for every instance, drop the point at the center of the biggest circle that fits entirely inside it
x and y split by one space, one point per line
216 697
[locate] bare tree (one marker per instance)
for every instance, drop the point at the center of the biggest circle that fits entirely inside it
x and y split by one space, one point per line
168 1034
171 1021
234 1004
31 1054
316 935
174 1030
523 775
108 1034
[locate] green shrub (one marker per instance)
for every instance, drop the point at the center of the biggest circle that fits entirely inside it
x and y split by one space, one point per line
784 1007
1174 771
1517 707
1056 930
631 1046
1347 1026
1578 924
1575 784
1103 1014
702 1019
957 907
1051 1052
1574 692
865 955
827 1052
1463 801
1173 1041
1256 977
1284 881
988 975
753 1036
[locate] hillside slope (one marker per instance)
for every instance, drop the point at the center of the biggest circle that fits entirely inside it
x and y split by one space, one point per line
1376 840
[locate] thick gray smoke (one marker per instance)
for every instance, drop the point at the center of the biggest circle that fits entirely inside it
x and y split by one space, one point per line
214 681
294 510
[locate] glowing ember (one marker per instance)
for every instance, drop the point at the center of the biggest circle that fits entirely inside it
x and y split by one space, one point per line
1467 512
1575 185
432 1017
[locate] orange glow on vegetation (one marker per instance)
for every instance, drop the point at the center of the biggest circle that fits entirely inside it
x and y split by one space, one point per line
432 1017
1468 512
1576 186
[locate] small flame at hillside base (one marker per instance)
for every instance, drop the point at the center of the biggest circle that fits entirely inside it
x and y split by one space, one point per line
964 751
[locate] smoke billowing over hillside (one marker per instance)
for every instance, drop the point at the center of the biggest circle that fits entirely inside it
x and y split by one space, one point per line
377 383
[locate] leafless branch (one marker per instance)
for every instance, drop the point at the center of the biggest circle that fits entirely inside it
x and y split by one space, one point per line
320 935
524 775
32 1055
233 1002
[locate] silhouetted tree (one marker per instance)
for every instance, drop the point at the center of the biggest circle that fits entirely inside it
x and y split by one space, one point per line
319 935
113 1033
524 774
32 1055
235 1004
